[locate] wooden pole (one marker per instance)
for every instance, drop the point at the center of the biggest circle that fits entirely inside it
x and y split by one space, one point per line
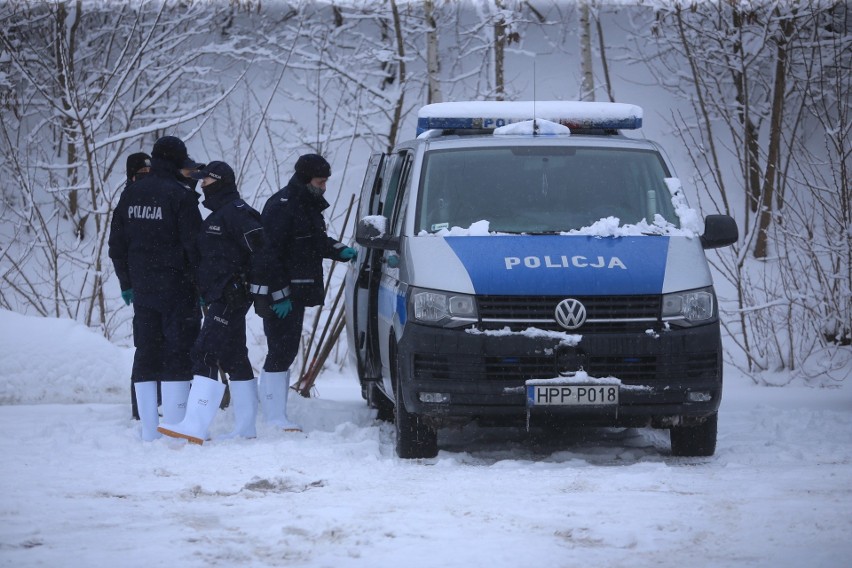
307 383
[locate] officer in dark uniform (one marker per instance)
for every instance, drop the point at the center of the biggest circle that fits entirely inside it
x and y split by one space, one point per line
230 237
153 246
297 242
137 166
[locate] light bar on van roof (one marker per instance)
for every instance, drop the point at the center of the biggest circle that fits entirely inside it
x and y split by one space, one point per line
477 115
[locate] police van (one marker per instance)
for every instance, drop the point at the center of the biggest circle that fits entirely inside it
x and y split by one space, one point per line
528 263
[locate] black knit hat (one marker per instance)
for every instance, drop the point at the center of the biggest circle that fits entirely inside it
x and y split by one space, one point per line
172 149
136 162
310 166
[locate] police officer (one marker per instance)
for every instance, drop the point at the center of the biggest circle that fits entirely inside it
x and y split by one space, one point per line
296 245
137 166
230 237
153 246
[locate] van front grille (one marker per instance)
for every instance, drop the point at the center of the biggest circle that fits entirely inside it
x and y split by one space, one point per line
608 313
515 370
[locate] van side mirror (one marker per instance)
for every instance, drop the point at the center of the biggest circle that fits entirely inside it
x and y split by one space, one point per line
719 231
372 233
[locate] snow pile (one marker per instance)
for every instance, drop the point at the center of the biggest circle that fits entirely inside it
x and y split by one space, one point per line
605 227
45 360
529 127
82 486
377 222
565 339
690 219
583 378
477 229
612 227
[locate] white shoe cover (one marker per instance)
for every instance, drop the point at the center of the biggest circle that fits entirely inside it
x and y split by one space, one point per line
274 388
244 404
201 407
146 402
175 395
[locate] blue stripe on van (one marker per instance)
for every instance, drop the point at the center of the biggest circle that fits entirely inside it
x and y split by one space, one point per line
562 264
390 303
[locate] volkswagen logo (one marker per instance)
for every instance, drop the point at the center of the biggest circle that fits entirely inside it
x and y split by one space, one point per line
570 313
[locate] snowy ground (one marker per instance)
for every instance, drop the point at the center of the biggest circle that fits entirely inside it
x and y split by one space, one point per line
82 490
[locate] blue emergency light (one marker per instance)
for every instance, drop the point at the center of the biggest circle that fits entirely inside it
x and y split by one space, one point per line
487 115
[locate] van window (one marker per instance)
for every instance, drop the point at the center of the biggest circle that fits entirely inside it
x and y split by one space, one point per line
402 195
394 164
541 189
371 187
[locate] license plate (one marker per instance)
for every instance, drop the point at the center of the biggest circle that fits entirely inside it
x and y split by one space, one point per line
572 395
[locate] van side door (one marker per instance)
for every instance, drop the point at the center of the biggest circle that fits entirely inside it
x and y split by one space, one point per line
394 199
361 285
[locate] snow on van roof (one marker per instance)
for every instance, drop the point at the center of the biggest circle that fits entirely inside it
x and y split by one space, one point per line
538 126
494 114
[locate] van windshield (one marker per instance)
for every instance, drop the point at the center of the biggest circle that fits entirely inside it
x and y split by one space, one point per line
541 189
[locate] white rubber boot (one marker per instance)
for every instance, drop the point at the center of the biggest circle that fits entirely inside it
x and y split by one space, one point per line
273 397
201 407
244 403
146 402
174 395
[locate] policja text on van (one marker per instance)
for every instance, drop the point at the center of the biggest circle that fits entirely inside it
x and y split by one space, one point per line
577 261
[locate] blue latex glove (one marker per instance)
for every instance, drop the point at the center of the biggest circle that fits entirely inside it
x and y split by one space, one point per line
348 254
127 296
201 302
282 308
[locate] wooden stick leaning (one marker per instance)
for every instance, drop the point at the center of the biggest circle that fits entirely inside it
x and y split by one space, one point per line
307 382
318 361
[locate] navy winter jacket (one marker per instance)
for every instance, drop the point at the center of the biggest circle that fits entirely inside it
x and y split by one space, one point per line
296 244
230 238
153 238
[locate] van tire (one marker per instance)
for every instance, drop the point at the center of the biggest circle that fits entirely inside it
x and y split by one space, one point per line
414 438
695 440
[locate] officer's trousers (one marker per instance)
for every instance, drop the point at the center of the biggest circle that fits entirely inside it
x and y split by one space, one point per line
222 342
163 338
282 339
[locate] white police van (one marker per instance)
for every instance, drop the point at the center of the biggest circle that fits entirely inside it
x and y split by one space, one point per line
525 262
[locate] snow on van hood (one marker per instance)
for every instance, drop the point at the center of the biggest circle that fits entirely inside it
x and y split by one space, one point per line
605 227
691 223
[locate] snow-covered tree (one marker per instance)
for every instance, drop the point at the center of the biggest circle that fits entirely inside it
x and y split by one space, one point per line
769 83
85 84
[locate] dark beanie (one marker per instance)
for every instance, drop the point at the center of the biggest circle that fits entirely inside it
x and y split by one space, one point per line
136 162
310 166
172 149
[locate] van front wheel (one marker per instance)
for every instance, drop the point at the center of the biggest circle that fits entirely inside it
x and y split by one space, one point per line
695 440
414 438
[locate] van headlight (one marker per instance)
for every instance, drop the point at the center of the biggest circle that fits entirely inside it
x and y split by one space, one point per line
447 309
693 306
